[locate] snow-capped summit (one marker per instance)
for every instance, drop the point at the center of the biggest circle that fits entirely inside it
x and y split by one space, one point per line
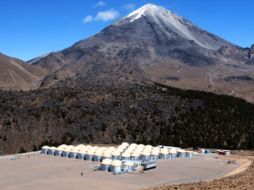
151 10
170 23
148 9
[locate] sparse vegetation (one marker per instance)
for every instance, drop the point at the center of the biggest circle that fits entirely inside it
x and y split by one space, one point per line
145 113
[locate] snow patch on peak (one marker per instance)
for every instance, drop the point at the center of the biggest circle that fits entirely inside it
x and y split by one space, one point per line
170 22
147 9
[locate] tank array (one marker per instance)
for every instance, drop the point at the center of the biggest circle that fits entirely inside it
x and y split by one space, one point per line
124 158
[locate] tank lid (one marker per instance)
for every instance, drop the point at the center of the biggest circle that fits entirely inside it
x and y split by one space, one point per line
116 163
107 154
164 151
106 161
125 144
63 146
126 154
172 151
181 151
116 153
135 154
155 153
129 163
145 153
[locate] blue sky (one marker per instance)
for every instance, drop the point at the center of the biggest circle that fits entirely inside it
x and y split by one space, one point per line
30 28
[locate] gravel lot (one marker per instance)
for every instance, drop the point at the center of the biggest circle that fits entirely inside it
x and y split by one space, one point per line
41 172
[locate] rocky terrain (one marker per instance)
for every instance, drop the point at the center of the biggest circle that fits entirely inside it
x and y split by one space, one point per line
18 75
79 111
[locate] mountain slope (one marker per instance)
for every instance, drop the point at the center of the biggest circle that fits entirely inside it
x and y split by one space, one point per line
163 47
50 62
172 25
93 111
17 75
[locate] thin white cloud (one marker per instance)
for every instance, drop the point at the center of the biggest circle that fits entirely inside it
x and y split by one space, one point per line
88 18
107 15
129 7
100 4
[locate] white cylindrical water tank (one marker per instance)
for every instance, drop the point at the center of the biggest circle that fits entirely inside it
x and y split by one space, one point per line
132 146
164 154
73 153
125 144
127 151
130 149
156 149
148 147
147 150
106 155
145 156
116 166
126 156
66 152
116 155
155 155
135 156
60 149
97 155
137 152
51 150
140 147
44 149
172 154
181 153
128 167
120 150
81 154
189 154
105 164
90 153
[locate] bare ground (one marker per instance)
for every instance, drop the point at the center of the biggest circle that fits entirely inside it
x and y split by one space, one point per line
46 172
241 178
